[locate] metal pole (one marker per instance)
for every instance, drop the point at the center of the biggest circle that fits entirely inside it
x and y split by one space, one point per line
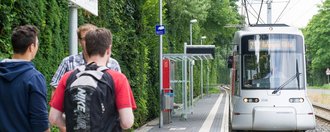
190 79
190 31
73 25
269 11
202 87
184 115
183 80
160 65
201 73
191 66
202 78
208 78
191 84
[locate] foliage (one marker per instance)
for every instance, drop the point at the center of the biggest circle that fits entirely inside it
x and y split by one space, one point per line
135 45
214 90
317 42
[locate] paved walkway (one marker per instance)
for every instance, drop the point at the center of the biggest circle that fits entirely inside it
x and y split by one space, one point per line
208 114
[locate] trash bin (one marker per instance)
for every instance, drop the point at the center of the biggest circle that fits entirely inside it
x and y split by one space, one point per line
168 99
167 105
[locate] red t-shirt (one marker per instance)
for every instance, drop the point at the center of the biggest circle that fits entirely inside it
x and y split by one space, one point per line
123 92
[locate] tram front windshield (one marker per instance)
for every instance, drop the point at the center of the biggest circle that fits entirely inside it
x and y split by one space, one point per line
271 61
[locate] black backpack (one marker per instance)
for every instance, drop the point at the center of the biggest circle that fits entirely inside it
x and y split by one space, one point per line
89 101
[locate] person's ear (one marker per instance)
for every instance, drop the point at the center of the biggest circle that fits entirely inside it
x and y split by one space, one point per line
109 50
31 47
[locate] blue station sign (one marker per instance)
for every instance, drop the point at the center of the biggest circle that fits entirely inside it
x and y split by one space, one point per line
160 29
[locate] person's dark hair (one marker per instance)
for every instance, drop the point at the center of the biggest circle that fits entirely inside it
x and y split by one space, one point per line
97 41
22 37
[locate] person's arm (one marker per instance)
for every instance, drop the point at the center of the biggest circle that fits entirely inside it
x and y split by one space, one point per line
56 118
56 104
38 113
124 100
126 118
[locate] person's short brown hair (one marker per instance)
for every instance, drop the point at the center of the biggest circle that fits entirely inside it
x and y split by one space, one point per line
22 37
97 41
84 28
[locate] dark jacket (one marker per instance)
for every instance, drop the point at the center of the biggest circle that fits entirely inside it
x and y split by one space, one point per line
23 102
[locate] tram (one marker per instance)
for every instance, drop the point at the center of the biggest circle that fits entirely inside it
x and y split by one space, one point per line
268 80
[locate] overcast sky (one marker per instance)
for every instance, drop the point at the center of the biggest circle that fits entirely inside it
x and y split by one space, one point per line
297 13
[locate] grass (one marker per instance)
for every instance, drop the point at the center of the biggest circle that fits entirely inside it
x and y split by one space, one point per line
214 90
325 86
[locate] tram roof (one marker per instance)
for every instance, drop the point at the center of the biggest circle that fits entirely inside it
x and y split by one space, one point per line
268 29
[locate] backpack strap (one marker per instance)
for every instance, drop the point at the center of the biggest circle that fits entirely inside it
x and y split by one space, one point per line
109 78
102 68
91 66
72 77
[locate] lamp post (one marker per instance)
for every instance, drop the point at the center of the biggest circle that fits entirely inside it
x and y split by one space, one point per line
203 37
191 69
190 27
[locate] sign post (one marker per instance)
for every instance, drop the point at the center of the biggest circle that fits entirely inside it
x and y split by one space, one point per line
160 61
327 72
90 6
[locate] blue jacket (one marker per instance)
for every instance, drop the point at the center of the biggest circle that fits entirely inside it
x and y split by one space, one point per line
23 102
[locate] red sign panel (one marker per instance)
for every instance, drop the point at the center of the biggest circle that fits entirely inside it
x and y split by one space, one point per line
166 74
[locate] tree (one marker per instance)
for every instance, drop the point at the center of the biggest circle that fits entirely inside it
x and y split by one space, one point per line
318 42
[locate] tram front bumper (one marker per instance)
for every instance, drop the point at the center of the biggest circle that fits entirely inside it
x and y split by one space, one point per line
274 118
266 118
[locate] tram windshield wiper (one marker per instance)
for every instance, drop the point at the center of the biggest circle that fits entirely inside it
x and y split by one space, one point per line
297 71
286 82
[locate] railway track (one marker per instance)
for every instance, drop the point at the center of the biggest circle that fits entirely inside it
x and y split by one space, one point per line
322 112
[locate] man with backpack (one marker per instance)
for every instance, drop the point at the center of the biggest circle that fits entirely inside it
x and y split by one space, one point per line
71 62
93 97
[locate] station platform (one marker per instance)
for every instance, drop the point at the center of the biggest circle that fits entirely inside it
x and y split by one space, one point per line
208 114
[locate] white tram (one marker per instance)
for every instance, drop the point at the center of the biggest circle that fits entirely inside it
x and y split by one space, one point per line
268 80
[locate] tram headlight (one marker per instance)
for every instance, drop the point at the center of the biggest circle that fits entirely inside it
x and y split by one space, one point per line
251 100
296 100
245 100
